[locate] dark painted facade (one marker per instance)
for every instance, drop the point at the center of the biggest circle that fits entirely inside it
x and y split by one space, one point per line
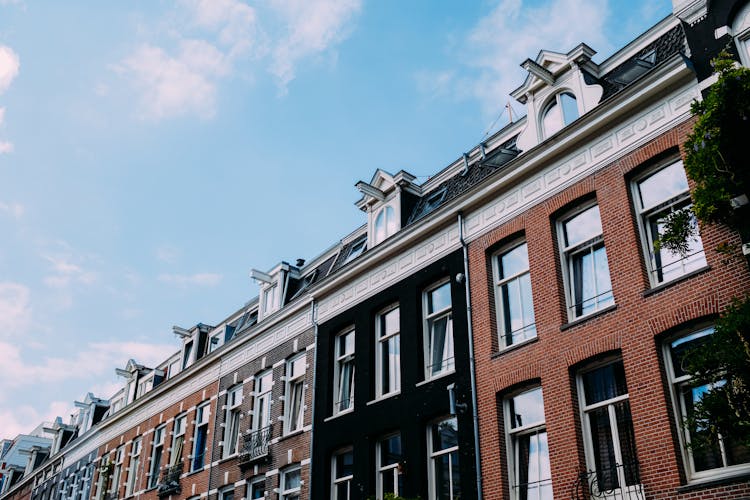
410 412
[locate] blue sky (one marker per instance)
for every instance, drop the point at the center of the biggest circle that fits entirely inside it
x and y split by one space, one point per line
152 152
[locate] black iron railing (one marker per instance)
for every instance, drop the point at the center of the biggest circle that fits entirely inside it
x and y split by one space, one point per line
169 483
618 482
255 445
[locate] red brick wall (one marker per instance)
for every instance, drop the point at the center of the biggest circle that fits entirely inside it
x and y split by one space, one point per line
631 329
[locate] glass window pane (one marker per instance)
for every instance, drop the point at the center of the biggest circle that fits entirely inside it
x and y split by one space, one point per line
514 261
569 107
292 479
344 464
391 321
605 382
583 226
681 346
552 120
527 408
439 298
445 434
662 185
390 450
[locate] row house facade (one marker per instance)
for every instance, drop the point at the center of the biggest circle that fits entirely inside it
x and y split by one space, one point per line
503 330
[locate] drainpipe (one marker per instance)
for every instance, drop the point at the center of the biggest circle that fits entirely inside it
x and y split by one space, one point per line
314 318
472 365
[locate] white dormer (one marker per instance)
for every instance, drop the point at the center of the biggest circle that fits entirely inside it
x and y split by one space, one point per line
273 285
383 200
556 93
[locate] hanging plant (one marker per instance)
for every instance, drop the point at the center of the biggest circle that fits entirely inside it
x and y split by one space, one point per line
715 156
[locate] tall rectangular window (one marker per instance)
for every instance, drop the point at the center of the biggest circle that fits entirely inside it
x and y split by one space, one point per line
135 462
343 376
585 263
294 399
706 455
442 449
388 352
438 330
657 194
608 428
227 493
515 307
262 400
178 440
342 465
157 448
291 483
389 456
232 421
528 454
200 444
117 470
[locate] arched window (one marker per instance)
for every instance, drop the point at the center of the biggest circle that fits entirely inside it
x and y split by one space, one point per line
385 224
560 111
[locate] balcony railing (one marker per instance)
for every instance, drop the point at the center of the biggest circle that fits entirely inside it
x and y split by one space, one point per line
169 484
254 445
618 482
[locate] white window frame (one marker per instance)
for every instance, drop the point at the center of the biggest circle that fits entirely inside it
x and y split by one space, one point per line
567 255
157 453
117 470
226 491
261 481
512 437
386 472
342 359
355 251
678 404
135 462
286 493
429 319
262 401
344 479
389 220
202 417
434 455
741 34
294 382
178 431
270 299
679 201
528 329
381 364
585 409
556 100
232 421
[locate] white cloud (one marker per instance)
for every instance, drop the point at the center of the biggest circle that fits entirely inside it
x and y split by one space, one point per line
184 280
2 115
235 23
311 28
167 253
24 418
67 273
15 309
88 363
512 32
15 210
176 85
9 65
6 147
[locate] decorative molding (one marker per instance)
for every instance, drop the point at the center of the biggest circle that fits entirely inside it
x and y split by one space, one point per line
390 272
582 162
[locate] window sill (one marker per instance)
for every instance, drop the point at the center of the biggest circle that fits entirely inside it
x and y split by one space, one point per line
713 482
196 471
383 398
513 347
291 434
229 457
436 377
661 286
588 317
339 414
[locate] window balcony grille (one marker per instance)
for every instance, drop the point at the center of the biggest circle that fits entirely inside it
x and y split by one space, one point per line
169 484
617 482
254 446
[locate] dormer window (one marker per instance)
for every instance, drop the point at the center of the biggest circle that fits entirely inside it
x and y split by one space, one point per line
559 112
356 250
270 299
385 224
